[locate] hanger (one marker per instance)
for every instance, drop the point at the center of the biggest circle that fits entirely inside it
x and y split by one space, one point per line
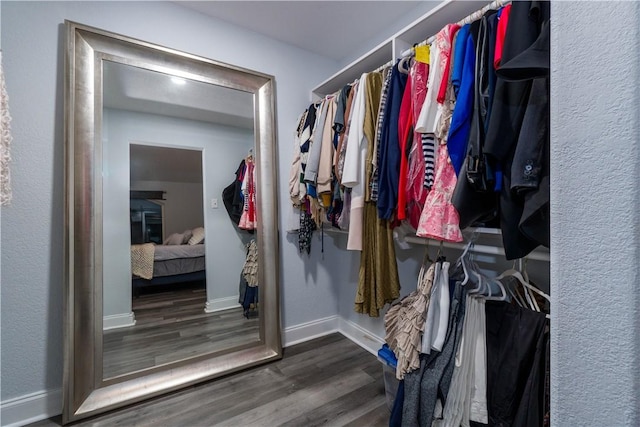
483 283
516 296
462 260
527 286
403 64
439 256
503 292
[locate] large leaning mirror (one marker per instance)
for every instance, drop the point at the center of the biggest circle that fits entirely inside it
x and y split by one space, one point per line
171 221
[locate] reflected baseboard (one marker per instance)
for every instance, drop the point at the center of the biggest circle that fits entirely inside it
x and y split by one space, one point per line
115 321
30 408
221 304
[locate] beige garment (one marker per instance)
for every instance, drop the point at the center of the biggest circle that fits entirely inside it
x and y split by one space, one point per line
297 191
142 260
404 323
325 168
338 161
250 268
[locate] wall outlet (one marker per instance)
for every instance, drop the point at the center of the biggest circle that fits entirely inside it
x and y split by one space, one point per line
214 203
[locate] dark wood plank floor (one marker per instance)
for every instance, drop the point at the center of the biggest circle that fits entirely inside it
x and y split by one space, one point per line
171 325
328 381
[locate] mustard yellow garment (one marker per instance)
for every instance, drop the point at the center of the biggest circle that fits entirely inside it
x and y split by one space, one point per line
378 282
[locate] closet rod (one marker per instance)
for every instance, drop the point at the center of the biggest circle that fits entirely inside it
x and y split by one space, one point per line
482 249
466 20
383 66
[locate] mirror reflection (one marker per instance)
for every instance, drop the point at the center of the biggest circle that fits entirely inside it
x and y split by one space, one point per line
180 264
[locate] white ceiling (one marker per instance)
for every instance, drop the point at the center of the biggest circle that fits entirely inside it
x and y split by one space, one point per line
334 29
136 89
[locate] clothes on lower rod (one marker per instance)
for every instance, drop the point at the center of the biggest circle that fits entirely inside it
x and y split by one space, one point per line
516 353
425 386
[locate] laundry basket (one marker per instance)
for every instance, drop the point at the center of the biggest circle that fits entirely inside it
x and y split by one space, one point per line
389 363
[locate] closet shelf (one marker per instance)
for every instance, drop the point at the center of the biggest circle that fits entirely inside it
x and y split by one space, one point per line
427 25
540 254
537 255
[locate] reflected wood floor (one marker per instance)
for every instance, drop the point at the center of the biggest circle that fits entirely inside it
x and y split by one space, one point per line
171 325
327 381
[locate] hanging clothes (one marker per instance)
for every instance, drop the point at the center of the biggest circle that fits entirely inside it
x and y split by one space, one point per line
316 139
353 175
248 220
373 185
475 197
405 138
297 189
516 348
390 147
429 385
463 396
404 321
306 229
250 268
344 140
462 82
439 219
437 319
325 164
232 196
378 281
530 175
511 102
419 167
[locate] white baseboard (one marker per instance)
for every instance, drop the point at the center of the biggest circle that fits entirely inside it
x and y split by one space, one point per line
361 336
115 321
30 408
220 304
310 330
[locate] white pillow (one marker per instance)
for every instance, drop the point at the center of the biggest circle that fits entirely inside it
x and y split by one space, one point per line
198 236
186 236
174 239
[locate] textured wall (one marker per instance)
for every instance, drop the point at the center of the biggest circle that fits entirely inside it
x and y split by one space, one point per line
32 229
595 152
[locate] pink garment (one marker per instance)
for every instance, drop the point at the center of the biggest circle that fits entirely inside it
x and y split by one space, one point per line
248 219
416 193
439 219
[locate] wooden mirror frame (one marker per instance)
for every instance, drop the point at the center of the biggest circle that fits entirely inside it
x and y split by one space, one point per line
85 391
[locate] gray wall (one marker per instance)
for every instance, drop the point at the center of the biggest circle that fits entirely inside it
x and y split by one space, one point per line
32 229
595 216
